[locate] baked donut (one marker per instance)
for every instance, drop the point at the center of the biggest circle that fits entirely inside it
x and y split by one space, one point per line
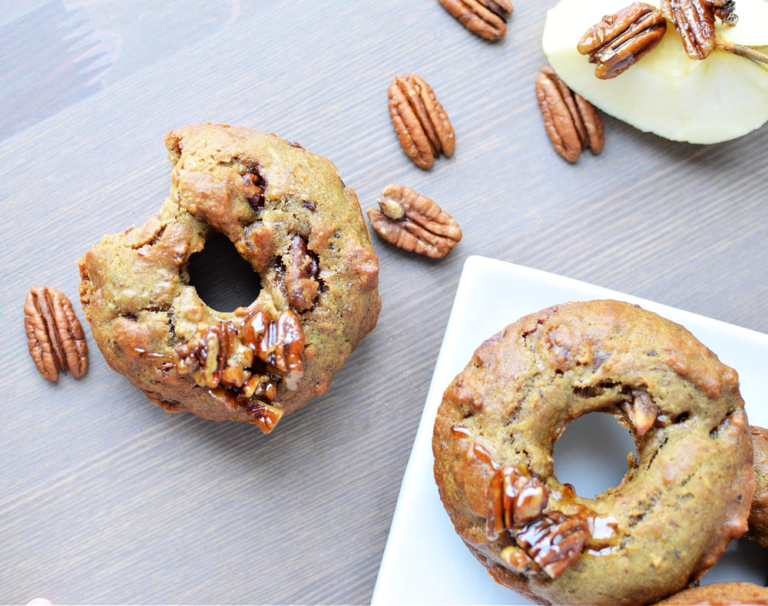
676 509
289 215
720 594
758 517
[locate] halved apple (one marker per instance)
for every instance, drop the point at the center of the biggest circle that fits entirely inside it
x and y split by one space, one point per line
666 93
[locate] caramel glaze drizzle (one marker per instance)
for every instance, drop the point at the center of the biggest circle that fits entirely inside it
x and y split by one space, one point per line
240 366
548 542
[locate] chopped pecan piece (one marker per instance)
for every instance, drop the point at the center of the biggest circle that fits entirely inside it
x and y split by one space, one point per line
265 416
460 433
621 40
279 344
421 124
694 20
226 397
414 222
554 541
530 498
516 499
216 357
486 18
54 334
301 272
253 189
239 360
572 123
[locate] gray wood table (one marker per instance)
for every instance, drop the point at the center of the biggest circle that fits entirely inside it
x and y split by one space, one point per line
106 499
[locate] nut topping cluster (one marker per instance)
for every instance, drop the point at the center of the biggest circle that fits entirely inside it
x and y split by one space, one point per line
725 10
240 361
621 40
421 124
414 222
572 123
301 271
486 18
548 541
517 499
54 334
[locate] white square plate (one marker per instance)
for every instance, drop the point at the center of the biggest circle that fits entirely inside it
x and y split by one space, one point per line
425 562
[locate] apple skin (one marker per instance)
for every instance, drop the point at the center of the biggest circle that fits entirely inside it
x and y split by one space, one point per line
666 93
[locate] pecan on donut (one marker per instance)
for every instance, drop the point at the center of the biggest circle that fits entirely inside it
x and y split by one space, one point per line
679 505
289 215
719 594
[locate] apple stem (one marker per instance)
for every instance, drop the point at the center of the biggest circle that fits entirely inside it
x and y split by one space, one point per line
743 51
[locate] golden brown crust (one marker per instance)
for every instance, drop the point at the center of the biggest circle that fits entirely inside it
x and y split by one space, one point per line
719 594
758 517
262 193
674 513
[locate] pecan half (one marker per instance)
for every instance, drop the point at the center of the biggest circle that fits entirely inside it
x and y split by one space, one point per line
54 334
301 270
516 500
694 20
253 188
621 40
725 11
572 123
642 412
486 18
554 541
414 223
421 124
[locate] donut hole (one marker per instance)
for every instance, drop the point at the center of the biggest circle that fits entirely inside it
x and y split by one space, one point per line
222 278
591 455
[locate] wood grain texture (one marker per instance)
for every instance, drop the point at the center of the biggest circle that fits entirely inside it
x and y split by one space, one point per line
106 499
